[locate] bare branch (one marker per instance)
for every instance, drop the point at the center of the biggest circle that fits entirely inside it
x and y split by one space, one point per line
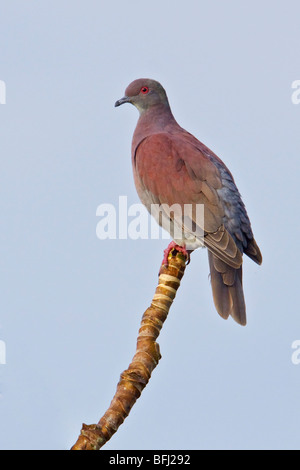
135 378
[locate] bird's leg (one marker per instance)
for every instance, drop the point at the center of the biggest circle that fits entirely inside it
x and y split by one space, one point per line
177 248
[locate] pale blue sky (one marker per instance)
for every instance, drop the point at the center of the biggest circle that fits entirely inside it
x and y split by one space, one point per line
71 304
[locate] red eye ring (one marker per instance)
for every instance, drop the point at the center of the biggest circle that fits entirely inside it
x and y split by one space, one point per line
144 90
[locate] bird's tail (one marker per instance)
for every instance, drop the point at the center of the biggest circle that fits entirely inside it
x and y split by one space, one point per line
227 289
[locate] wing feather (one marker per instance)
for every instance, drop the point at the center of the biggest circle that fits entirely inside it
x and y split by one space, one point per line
171 169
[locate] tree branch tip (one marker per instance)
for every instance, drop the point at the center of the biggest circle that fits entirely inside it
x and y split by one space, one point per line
134 379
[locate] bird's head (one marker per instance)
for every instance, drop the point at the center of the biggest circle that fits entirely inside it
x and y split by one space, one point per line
144 93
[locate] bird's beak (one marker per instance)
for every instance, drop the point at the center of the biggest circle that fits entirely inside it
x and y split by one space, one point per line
123 100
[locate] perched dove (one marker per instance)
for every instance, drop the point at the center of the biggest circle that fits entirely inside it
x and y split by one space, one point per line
173 169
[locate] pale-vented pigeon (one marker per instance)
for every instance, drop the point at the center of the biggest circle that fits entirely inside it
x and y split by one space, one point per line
170 167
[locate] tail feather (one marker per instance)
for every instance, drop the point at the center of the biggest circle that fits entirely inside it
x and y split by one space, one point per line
227 288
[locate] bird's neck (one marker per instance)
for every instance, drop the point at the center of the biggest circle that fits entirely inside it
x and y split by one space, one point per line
152 121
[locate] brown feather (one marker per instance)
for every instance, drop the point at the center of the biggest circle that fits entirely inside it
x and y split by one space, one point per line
227 289
223 246
253 251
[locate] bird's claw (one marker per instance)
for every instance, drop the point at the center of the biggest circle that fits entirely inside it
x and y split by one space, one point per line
173 246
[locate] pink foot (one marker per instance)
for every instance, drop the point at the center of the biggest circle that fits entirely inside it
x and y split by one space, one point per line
171 247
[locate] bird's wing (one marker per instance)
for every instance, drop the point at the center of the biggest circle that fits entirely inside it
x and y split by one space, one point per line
236 220
171 170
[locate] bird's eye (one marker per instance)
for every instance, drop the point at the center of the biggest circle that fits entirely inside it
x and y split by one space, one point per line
144 90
